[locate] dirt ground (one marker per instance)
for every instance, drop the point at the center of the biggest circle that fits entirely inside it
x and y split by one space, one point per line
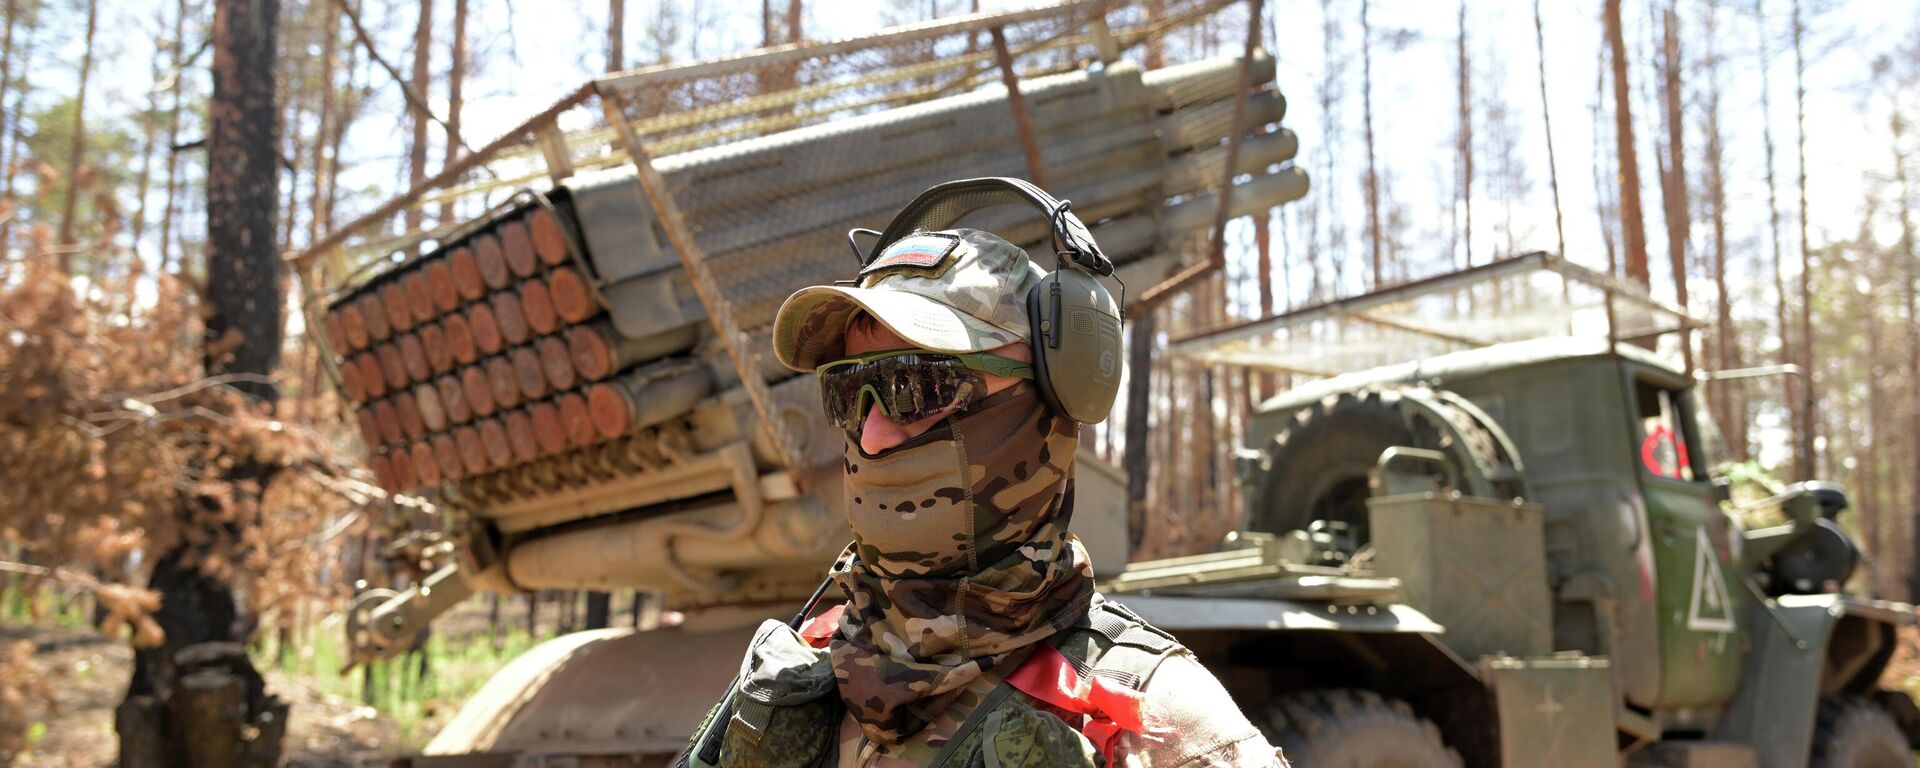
1903 671
91 677
329 731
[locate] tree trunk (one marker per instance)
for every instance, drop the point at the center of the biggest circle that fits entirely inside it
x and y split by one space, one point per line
493 621
1263 247
9 122
1789 387
1910 277
243 305
616 35
1603 191
6 83
1632 227
346 114
1732 418
1330 95
1464 141
422 80
1871 505
173 138
1674 175
1808 440
599 610
78 151
150 135
293 108
1546 118
319 164
1366 111
456 87
1138 456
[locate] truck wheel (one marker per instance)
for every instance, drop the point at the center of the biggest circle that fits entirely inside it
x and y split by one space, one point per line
1853 732
1316 469
1350 728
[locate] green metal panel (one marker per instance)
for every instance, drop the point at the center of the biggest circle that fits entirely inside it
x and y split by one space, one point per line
1556 712
1775 708
1799 652
1475 566
1700 644
1564 414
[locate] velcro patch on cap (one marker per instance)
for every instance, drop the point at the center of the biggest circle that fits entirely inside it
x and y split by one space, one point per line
928 254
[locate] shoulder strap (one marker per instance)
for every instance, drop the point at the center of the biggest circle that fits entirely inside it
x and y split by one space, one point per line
1110 642
1134 648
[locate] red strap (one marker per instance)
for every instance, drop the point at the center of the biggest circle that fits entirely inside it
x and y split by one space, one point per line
1111 709
818 631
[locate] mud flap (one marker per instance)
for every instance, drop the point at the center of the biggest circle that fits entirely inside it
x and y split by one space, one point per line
1553 711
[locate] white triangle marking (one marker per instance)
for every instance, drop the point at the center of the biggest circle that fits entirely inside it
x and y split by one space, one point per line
1711 609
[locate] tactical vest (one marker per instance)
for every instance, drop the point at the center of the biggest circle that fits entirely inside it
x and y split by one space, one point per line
784 710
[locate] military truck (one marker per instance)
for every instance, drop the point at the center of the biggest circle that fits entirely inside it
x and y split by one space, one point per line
1516 553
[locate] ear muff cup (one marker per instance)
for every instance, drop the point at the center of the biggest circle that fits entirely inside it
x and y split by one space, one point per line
1076 344
1074 320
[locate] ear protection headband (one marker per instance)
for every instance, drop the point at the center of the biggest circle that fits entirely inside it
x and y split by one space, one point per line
1075 321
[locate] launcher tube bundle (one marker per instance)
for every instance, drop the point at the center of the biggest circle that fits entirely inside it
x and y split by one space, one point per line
551 371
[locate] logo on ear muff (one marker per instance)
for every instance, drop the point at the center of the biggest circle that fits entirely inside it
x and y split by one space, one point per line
1107 360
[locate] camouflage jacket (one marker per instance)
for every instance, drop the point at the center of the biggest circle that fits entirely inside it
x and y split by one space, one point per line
1207 729
785 710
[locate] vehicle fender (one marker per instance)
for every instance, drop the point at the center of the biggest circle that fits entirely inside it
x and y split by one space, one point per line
1372 639
598 692
1263 648
1806 647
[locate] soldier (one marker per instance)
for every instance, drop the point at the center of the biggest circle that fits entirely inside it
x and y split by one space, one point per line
971 633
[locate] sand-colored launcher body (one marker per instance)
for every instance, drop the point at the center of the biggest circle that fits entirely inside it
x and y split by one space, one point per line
551 374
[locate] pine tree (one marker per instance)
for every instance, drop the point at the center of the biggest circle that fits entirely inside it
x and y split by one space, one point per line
1463 192
68 209
1546 119
1810 439
1632 227
1673 186
1729 412
1373 176
422 79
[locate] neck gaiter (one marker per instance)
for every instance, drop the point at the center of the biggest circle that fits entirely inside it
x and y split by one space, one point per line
961 558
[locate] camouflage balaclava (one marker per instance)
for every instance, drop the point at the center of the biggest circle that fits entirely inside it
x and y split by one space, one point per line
961 559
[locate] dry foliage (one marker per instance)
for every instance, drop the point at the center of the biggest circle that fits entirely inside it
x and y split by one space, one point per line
24 696
114 446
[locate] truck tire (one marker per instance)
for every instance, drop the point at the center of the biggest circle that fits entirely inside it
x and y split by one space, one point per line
1352 728
1316 468
1853 732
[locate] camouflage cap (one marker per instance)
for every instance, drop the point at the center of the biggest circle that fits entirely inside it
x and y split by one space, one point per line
962 290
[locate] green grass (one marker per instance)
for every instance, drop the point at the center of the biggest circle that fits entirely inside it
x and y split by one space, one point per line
418 706
56 609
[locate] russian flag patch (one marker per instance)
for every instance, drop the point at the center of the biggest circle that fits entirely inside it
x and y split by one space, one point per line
922 255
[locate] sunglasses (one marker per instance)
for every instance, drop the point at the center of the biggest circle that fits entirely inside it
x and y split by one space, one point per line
909 385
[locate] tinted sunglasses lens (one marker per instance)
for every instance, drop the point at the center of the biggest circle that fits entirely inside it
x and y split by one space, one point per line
907 387
840 390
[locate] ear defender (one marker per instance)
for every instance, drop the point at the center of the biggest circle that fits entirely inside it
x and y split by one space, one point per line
1074 321
1076 344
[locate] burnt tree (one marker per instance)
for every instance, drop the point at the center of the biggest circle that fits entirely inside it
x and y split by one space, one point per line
182 703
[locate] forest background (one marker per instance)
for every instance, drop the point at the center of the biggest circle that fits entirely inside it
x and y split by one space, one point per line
1771 144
